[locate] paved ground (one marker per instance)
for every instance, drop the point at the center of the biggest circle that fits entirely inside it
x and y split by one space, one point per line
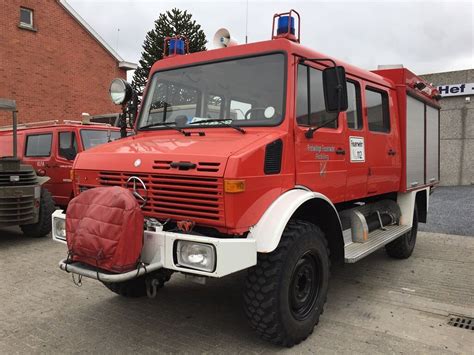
379 305
451 211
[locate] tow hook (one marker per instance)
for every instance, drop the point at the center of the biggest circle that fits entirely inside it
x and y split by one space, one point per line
151 287
156 280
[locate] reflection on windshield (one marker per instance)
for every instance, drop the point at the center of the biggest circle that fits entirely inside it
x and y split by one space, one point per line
91 138
244 92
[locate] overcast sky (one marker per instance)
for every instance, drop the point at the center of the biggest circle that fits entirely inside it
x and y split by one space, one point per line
424 36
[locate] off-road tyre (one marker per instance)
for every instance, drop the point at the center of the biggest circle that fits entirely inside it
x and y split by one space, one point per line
402 247
136 287
274 287
43 227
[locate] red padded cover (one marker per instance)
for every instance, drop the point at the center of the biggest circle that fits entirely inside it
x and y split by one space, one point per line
104 228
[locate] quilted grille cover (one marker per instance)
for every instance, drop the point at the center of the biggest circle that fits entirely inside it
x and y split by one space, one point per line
104 229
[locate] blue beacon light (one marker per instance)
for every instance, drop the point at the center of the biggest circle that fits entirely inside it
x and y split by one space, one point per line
176 46
283 25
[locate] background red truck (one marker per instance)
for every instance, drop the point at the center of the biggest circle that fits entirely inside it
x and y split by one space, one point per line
51 147
269 157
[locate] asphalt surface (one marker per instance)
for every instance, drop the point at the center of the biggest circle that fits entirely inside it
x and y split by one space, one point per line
451 211
378 305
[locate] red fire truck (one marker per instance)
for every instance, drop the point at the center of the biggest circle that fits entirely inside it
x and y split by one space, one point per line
51 147
269 157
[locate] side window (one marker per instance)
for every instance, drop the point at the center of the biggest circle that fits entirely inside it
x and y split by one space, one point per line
317 108
353 113
67 145
38 145
378 113
239 109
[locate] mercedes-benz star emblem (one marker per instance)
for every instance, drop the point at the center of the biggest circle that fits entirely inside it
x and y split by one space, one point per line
134 180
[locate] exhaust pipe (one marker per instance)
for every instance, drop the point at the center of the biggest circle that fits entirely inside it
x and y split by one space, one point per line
10 105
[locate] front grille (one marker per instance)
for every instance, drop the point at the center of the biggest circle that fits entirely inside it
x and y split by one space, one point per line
178 197
16 209
203 166
25 178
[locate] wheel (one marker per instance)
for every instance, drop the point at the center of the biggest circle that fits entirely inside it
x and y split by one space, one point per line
43 226
286 291
137 287
402 247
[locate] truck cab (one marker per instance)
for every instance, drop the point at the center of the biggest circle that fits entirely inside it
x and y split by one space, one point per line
270 157
51 147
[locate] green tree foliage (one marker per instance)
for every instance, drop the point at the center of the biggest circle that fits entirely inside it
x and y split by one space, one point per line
170 23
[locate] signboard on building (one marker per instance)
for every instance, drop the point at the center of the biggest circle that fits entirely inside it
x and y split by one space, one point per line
456 89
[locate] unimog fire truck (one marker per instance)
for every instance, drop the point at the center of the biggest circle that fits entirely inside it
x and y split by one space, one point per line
24 201
267 157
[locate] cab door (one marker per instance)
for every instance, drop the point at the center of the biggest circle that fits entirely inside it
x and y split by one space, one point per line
321 159
383 146
66 151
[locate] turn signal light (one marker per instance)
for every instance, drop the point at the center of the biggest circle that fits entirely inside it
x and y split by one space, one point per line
234 186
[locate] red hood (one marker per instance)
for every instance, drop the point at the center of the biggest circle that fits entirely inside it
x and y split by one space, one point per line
155 151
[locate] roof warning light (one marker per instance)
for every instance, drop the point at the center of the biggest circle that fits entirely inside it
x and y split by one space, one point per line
287 26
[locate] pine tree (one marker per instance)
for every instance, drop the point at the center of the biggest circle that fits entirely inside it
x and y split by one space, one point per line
170 23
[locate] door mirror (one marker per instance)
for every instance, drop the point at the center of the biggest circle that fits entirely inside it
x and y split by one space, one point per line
335 89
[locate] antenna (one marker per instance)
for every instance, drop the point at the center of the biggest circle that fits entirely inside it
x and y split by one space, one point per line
247 22
118 36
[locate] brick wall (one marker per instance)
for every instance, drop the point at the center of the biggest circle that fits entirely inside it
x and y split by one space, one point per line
55 72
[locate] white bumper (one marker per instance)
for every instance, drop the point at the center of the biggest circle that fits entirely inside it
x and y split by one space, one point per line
159 248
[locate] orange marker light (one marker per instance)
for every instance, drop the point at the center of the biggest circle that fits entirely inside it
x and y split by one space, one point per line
234 186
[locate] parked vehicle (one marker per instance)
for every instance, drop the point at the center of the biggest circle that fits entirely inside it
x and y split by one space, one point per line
24 201
309 160
51 147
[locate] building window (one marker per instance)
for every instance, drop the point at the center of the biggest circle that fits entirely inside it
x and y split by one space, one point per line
26 17
377 110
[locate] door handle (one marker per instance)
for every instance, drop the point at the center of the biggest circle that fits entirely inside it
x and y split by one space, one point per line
340 151
391 152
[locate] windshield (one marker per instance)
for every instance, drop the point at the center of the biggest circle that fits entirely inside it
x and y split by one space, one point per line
91 138
243 92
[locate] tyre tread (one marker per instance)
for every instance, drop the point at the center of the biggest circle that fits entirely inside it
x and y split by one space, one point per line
260 303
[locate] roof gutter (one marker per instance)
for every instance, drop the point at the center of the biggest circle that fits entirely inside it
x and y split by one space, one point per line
122 64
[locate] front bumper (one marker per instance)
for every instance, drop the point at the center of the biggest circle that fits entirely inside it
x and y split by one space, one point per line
159 251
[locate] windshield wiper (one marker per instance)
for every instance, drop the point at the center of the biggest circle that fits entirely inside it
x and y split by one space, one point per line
223 121
165 124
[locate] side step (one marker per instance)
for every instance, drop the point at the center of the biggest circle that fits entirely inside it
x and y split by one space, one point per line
378 238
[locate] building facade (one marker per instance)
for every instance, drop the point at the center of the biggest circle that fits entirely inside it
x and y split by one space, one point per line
457 125
53 63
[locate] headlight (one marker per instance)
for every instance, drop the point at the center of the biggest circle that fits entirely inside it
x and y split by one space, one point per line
197 256
120 91
60 228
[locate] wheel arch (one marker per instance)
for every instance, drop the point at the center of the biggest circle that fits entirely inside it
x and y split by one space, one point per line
300 204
